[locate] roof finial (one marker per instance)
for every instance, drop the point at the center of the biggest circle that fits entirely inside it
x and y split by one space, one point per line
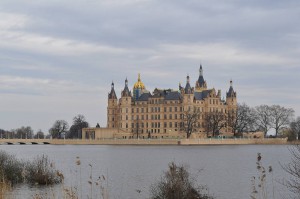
188 78
201 70
231 82
126 82
139 77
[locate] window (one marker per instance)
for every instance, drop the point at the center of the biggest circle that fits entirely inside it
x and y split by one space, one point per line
170 109
170 124
170 116
175 109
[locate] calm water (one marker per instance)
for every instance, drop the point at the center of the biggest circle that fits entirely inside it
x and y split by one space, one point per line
226 170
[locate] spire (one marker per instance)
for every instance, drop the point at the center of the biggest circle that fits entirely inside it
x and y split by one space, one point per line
231 92
201 83
201 71
112 94
126 92
188 89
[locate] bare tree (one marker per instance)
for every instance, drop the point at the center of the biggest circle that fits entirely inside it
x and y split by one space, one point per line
79 122
280 117
59 127
295 128
39 134
215 121
293 169
24 132
189 121
176 183
241 120
263 118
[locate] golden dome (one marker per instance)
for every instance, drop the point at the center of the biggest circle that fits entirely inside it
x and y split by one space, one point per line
139 84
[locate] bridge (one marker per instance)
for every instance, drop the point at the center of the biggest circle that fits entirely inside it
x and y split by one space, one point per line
24 141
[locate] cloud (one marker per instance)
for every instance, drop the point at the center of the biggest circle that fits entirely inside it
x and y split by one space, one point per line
45 87
65 53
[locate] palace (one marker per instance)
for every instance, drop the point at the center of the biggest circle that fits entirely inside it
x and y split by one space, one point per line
163 113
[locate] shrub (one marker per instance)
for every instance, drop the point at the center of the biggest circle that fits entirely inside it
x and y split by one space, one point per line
11 169
176 183
41 171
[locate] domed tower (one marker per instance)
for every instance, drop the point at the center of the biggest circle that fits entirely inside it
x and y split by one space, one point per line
200 83
138 88
112 108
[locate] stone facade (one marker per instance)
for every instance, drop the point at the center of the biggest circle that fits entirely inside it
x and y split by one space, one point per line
160 114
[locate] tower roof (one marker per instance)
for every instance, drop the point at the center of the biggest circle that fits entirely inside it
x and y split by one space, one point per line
201 80
188 88
139 84
112 94
231 92
126 92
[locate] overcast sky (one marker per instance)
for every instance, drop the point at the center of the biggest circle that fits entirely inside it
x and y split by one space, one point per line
59 57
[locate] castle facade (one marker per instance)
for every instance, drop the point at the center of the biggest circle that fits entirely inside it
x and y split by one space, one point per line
167 113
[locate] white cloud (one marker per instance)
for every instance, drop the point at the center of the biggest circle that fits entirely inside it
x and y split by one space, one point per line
10 21
57 46
45 87
224 53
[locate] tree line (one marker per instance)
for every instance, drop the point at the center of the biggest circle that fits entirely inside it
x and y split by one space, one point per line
59 129
244 119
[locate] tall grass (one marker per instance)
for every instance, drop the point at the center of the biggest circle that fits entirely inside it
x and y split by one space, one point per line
39 171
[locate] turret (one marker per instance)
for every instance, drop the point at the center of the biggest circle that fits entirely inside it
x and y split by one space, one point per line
188 89
112 94
231 96
200 83
112 108
126 92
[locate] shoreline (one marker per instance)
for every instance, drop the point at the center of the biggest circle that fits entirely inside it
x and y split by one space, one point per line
179 142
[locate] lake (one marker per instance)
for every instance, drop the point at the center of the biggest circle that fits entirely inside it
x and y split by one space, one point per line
129 171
